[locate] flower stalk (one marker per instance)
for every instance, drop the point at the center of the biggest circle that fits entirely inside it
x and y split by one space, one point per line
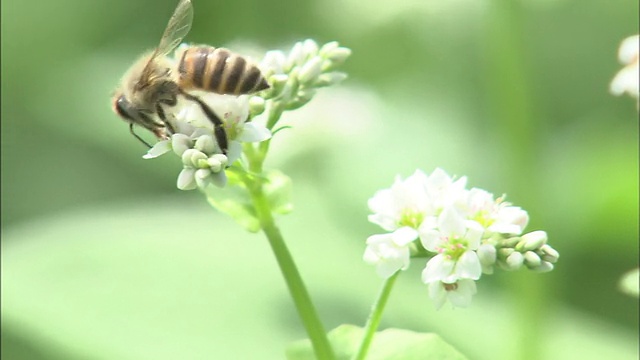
375 316
299 294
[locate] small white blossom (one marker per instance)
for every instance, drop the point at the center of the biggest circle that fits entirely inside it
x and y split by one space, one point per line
626 80
458 293
469 233
194 139
405 204
443 190
455 241
494 215
389 252
234 112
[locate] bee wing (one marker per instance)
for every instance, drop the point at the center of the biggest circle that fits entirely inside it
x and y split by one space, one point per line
177 28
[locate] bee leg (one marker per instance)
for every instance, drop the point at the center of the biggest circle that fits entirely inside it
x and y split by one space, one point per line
218 125
163 117
138 137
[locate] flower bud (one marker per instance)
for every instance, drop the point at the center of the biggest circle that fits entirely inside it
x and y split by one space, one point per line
514 261
531 259
310 70
510 242
273 63
486 254
206 144
504 253
337 56
534 240
329 79
278 83
328 48
549 254
196 156
256 105
309 48
220 158
295 58
545 266
202 177
214 164
187 155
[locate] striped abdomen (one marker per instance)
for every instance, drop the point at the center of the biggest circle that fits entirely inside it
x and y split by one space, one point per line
220 71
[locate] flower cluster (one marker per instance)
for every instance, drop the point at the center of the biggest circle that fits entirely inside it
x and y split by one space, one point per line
464 232
626 80
295 78
194 140
293 81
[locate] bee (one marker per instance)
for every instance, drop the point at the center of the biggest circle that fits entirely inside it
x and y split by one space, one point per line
155 81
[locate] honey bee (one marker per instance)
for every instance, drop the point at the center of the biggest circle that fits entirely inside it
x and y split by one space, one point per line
155 81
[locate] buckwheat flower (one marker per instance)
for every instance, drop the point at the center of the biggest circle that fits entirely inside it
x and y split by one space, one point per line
234 112
442 190
494 215
458 293
455 240
201 169
404 205
626 80
194 140
389 252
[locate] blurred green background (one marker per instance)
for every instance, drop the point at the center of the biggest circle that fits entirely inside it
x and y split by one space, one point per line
103 258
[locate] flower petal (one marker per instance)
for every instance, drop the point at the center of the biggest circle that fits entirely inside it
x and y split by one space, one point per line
254 132
437 293
463 294
160 148
218 179
451 223
186 180
234 152
468 266
404 236
437 269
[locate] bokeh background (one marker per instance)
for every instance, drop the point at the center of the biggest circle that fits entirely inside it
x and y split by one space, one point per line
103 258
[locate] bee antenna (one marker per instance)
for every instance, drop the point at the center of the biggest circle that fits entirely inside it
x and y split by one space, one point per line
138 137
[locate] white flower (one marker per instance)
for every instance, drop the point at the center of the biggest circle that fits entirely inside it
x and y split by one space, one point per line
455 240
458 293
234 112
405 204
494 215
389 252
194 139
626 80
442 190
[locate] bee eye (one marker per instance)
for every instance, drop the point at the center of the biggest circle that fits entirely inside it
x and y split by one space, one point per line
120 107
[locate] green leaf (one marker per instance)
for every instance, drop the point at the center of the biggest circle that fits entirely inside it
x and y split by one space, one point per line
629 282
388 344
235 201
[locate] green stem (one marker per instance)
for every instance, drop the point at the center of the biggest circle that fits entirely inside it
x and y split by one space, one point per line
375 316
301 299
274 115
